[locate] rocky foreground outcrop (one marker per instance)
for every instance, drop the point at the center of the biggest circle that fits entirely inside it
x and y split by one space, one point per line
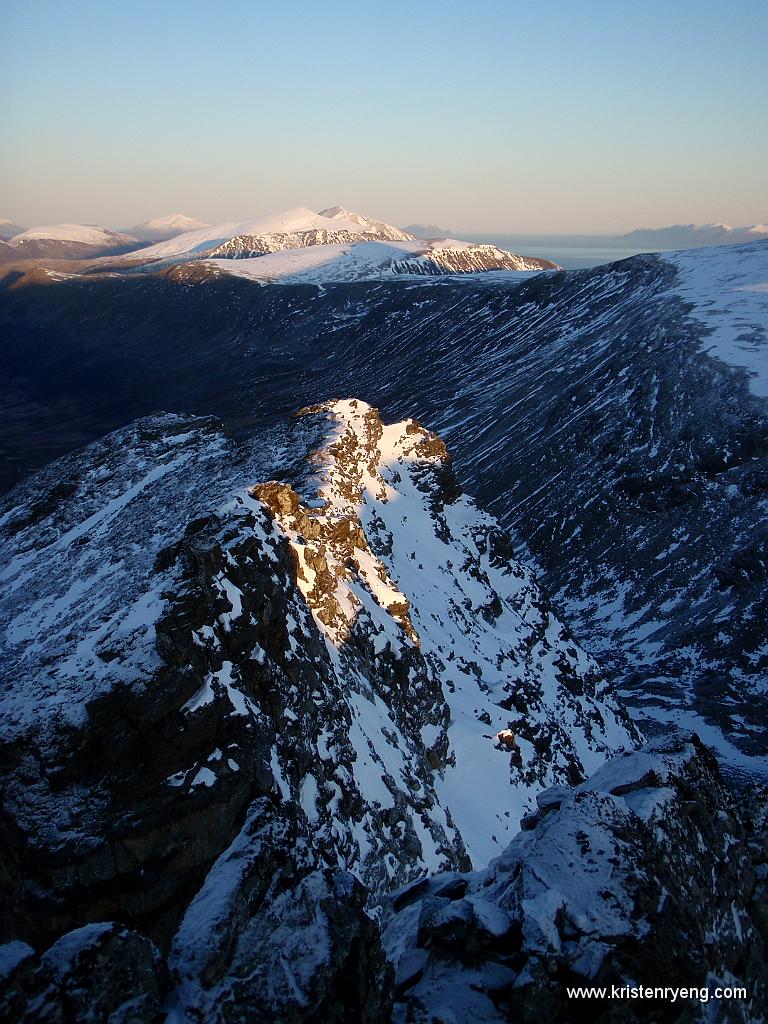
651 874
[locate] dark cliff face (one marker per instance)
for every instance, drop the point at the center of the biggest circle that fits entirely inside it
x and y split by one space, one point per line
581 408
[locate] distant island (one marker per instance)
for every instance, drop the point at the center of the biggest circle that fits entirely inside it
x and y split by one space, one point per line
686 236
428 231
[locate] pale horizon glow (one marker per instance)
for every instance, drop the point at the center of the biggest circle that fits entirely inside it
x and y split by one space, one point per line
506 118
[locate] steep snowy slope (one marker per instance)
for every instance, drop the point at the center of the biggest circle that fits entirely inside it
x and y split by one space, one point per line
728 294
352 639
589 410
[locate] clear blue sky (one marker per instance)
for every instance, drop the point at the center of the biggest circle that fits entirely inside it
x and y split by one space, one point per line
557 116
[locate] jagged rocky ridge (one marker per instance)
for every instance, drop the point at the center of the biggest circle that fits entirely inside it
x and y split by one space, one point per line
446 257
249 246
589 411
178 641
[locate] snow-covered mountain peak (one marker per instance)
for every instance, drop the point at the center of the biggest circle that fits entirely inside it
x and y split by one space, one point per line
295 227
340 213
379 227
176 221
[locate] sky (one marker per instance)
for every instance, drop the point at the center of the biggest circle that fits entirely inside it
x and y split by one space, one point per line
517 117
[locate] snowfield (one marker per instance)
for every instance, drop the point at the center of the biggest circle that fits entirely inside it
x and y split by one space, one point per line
728 292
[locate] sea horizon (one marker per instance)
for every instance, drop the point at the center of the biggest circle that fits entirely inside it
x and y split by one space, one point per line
573 252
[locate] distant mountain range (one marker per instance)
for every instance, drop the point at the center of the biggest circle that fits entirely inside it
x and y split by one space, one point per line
287 229
692 235
180 237
298 245
332 245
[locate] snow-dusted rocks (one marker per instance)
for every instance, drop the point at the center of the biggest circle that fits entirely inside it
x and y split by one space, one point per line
92 974
348 640
275 934
650 875
641 876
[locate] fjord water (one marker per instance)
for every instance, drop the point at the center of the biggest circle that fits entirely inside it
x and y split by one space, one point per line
574 252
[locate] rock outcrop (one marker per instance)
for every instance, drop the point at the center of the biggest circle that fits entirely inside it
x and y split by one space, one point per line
649 876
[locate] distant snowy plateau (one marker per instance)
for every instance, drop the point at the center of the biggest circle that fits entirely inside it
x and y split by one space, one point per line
368 680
